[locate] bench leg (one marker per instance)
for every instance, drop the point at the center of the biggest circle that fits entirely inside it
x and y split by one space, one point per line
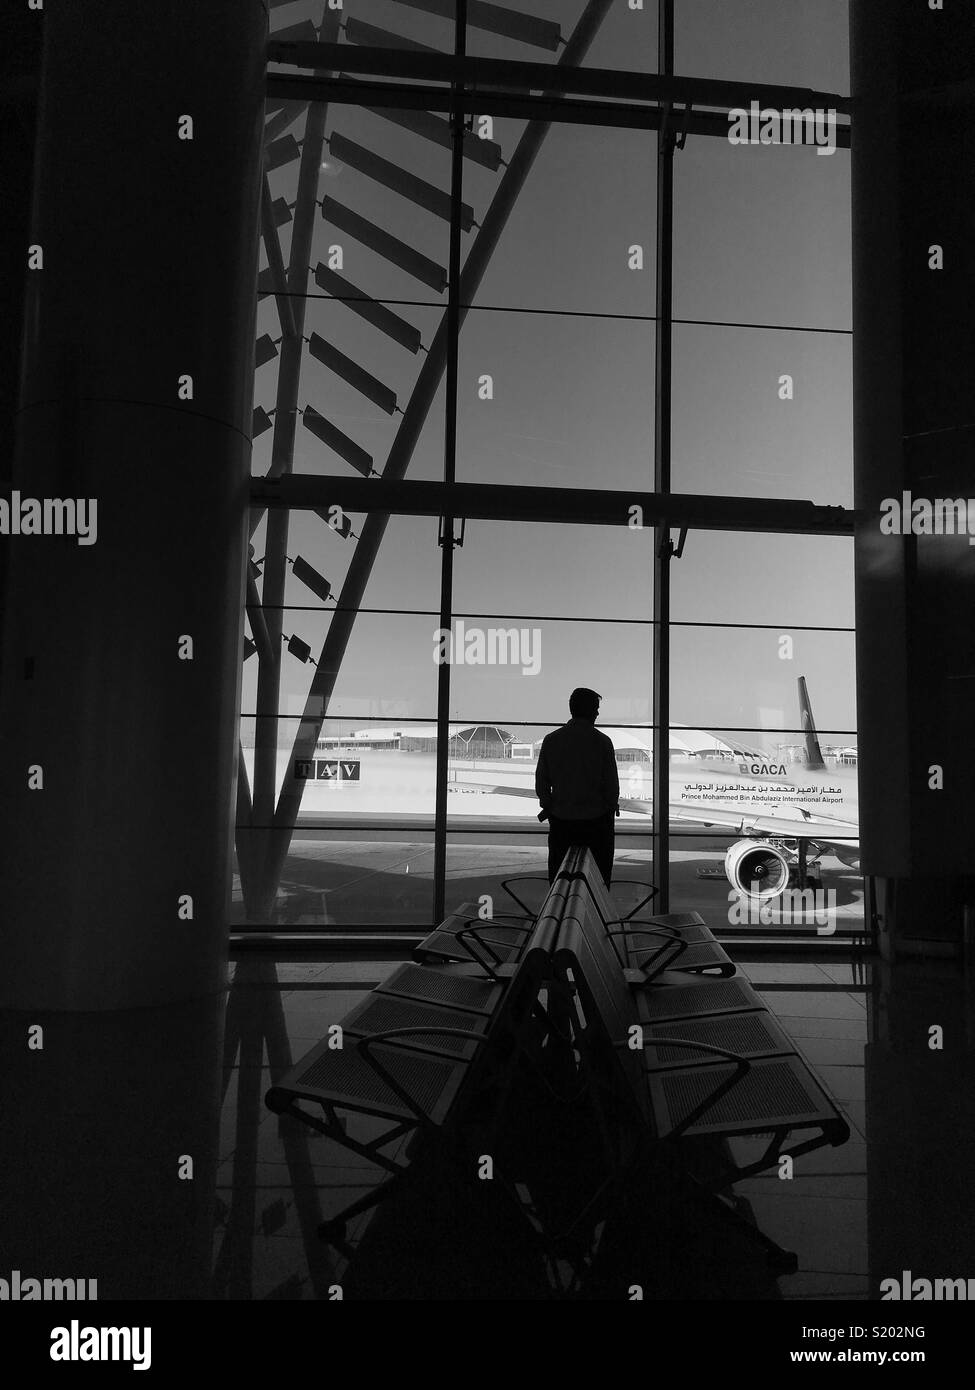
779 1260
334 1230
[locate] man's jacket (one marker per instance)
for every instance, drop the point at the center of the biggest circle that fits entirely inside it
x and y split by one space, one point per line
576 776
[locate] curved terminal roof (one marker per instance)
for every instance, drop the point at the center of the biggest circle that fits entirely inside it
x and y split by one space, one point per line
682 739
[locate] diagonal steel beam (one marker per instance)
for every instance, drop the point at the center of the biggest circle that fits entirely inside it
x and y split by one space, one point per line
282 456
272 244
282 120
255 613
407 436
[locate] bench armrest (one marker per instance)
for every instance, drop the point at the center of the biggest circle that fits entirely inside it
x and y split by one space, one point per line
506 919
742 1065
471 932
364 1046
524 878
678 944
635 882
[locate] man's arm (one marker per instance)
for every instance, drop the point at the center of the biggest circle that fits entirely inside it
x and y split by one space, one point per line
611 779
543 786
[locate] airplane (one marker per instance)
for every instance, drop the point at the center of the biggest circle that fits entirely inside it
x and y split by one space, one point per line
782 846
784 827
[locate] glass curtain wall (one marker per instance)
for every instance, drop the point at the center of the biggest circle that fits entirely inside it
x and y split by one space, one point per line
388 654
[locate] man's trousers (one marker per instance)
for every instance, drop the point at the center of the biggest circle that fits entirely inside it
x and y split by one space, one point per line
597 835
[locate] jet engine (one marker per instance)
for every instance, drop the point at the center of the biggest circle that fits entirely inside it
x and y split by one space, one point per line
759 869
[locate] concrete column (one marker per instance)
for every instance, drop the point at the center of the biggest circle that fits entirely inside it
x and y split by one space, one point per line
914 362
136 392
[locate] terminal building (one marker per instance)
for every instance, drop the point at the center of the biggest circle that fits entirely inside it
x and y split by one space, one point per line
376 374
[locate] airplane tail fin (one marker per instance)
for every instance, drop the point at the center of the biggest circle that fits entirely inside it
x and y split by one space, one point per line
814 754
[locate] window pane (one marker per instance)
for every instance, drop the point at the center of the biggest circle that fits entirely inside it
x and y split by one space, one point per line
580 238
478 862
376 292
558 571
348 879
751 789
388 667
801 45
762 234
748 678
734 434
831 906
362 850
523 673
555 402
743 578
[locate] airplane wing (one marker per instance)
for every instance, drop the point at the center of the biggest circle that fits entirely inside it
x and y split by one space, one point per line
796 824
793 824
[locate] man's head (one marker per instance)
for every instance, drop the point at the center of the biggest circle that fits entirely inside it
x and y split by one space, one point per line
584 704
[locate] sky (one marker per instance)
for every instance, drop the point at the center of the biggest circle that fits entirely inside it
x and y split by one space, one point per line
762 236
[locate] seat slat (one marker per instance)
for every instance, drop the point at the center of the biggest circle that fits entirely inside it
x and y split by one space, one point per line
344 1078
754 1033
444 942
444 945
671 996
695 957
445 986
777 1092
379 1012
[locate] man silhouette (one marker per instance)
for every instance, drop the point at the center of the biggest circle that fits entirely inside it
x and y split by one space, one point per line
579 787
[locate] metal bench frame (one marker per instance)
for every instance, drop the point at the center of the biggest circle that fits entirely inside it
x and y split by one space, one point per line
469 1078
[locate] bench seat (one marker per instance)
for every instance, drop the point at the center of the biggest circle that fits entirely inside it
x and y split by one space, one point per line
465 936
772 1095
673 995
748 1033
712 1060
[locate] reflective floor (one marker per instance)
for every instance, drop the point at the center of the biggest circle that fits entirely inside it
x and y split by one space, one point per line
144 1155
821 1213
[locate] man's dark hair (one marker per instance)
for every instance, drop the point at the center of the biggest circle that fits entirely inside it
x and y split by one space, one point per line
583 703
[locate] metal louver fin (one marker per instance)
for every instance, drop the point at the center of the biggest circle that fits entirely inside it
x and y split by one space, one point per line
377 314
384 244
335 439
424 194
351 372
